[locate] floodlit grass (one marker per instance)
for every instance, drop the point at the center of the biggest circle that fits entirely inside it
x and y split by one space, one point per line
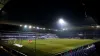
47 47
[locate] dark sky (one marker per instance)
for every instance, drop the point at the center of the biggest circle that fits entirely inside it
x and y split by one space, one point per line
46 13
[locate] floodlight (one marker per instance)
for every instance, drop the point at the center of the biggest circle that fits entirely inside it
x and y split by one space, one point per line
98 26
20 25
61 21
25 26
43 28
30 27
37 27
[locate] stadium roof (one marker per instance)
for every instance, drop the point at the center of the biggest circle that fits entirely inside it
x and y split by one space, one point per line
17 12
45 13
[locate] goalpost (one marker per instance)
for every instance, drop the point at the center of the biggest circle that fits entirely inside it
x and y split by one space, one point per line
12 40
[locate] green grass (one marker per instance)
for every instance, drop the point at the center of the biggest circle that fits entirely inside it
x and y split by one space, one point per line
48 47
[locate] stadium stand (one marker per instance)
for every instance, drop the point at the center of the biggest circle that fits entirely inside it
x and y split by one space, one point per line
26 35
87 50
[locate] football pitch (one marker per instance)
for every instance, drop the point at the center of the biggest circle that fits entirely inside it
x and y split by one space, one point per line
49 47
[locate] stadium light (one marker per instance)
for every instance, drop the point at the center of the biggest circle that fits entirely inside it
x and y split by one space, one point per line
20 25
25 26
43 28
98 26
61 21
30 27
37 27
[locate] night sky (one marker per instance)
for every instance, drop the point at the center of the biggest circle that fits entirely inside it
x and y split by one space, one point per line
46 13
